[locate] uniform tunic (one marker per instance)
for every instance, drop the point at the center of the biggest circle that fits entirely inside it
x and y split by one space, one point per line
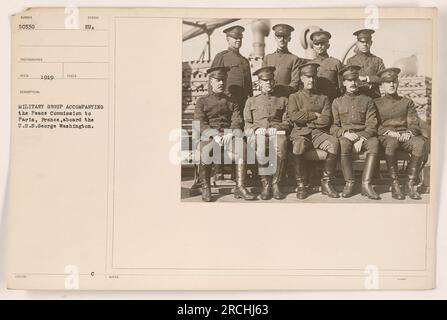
355 113
239 82
329 81
370 66
301 111
286 64
399 114
217 111
268 111
309 130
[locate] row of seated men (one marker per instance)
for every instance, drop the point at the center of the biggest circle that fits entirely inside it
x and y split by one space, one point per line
352 123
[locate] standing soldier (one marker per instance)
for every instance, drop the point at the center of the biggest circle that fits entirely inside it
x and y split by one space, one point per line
266 115
329 80
399 127
355 124
239 84
369 63
286 63
310 113
216 112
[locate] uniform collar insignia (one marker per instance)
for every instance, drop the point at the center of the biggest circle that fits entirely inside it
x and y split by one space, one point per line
267 94
392 96
219 95
286 50
323 56
368 54
353 94
236 51
308 92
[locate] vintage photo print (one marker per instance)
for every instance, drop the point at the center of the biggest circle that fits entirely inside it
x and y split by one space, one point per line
303 149
333 110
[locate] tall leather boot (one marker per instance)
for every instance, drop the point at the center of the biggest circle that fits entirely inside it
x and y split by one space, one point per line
240 192
396 191
414 168
266 192
368 171
300 171
348 175
328 176
205 175
277 194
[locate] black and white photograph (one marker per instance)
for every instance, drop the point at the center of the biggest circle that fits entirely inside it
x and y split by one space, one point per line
307 142
312 111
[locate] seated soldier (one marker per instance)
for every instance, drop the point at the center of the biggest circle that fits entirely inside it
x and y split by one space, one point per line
217 112
399 127
265 116
355 124
310 113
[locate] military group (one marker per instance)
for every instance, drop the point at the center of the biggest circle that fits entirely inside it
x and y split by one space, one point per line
310 104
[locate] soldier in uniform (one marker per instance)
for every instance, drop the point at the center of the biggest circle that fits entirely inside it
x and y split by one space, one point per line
399 127
286 63
239 84
266 115
329 81
217 112
369 63
355 124
311 115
